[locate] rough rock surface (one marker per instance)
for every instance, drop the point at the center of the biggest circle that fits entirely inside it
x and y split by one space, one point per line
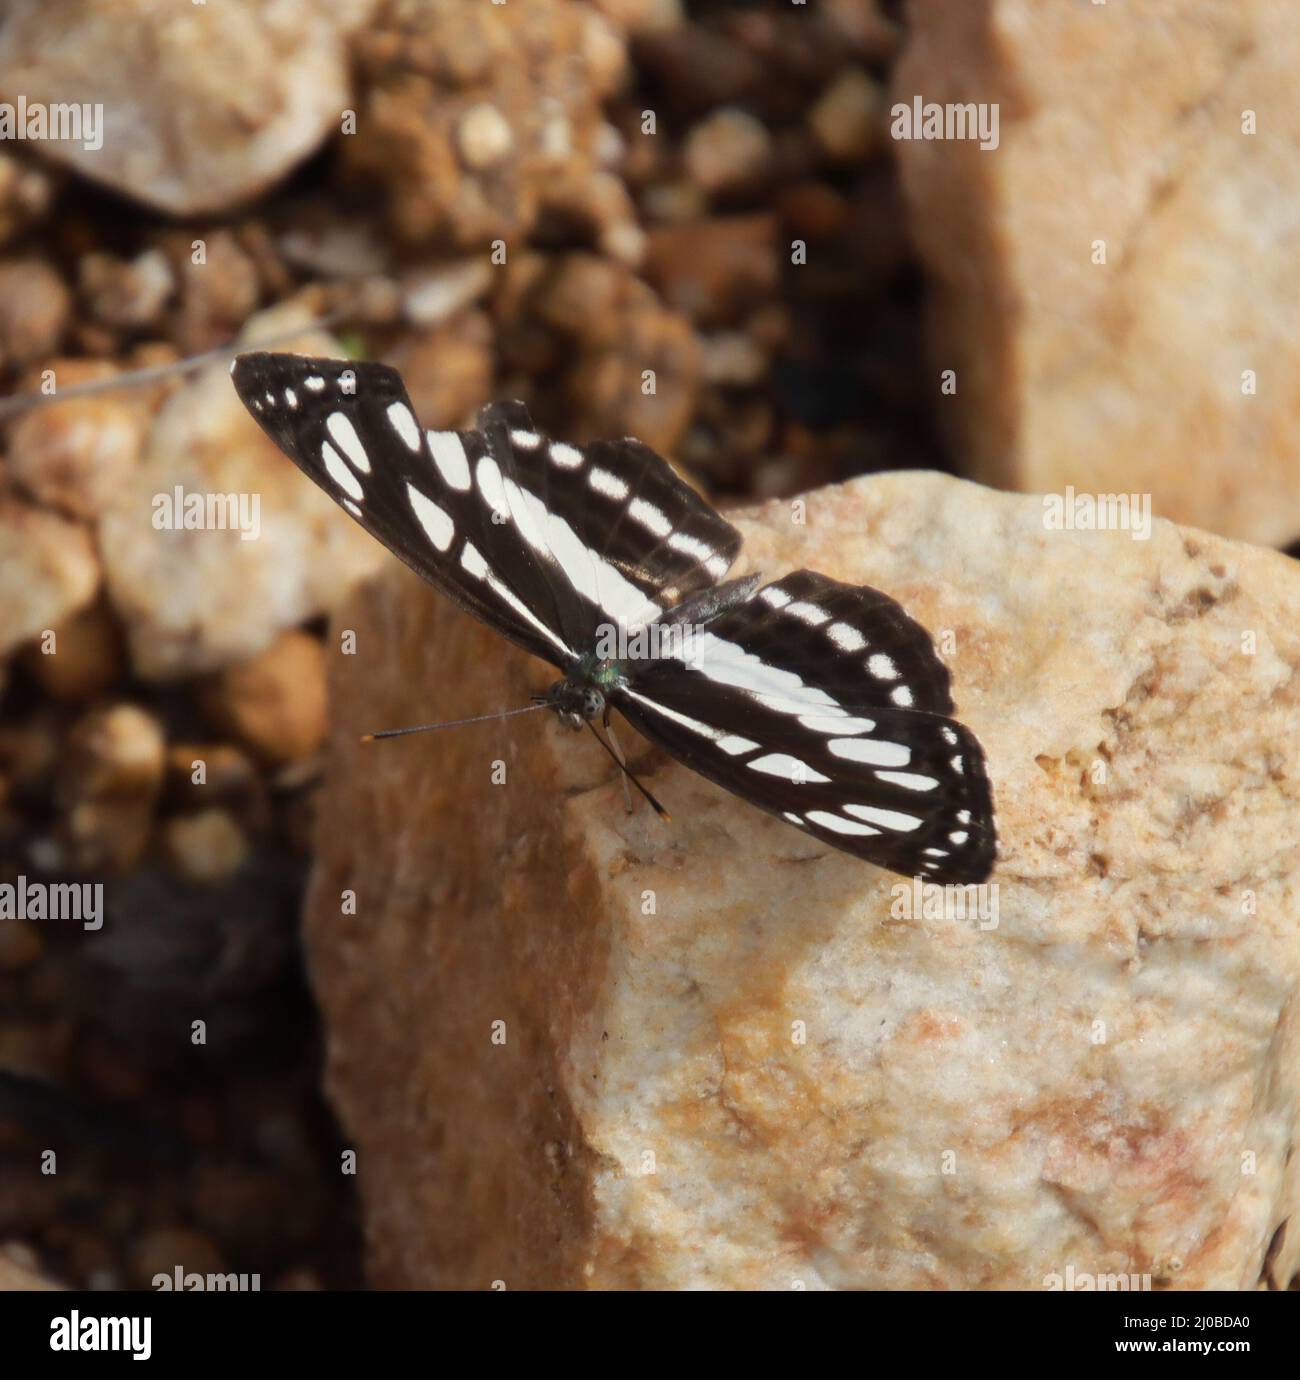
1126 376
203 105
725 1063
198 600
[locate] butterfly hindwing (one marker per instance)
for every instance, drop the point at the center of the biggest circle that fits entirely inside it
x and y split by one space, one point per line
825 704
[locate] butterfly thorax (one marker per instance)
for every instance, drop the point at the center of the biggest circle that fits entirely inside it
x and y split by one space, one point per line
582 694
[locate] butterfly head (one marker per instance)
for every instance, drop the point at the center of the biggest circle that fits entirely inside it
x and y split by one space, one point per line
575 703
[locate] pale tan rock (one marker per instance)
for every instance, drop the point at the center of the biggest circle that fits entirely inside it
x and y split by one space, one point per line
76 455
26 194
274 703
22 1277
203 105
729 148
642 16
725 1064
82 659
108 785
847 120
196 600
127 294
34 308
48 571
447 369
1128 376
207 847
433 294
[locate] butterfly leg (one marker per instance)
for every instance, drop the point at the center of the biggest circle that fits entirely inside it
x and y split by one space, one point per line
619 758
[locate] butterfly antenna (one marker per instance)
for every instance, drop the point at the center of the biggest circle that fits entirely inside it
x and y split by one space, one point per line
451 723
655 805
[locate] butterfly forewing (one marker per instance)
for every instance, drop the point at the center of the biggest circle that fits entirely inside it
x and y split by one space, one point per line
546 541
350 427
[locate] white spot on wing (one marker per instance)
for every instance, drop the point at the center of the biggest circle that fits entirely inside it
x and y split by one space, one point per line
882 667
901 696
773 597
586 570
837 825
733 744
846 638
788 768
525 440
649 517
606 483
889 819
291 397
808 613
567 457
872 751
404 424
839 723
345 437
714 735
352 507
438 527
339 472
314 383
448 453
472 561
910 780
691 546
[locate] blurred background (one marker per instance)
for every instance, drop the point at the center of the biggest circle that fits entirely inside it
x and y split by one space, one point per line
693 221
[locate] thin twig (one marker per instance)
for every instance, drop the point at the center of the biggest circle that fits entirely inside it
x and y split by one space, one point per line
138 377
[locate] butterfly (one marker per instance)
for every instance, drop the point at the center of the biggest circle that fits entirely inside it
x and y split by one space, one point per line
823 703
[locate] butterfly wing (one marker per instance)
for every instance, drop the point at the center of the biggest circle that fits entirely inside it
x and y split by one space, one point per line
825 704
543 541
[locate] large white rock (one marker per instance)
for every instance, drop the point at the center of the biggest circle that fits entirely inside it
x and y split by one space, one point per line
203 106
724 1059
1166 136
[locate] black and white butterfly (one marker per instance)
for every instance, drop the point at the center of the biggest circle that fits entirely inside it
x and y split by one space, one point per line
820 702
